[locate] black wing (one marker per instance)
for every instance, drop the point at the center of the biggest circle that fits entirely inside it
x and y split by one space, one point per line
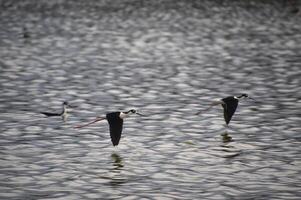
230 105
50 114
115 123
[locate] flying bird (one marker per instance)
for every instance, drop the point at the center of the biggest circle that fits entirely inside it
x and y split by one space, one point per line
115 120
63 114
229 105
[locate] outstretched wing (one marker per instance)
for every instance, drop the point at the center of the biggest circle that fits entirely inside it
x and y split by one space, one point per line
229 105
115 123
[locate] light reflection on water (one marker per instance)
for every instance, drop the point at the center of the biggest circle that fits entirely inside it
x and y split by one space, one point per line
169 60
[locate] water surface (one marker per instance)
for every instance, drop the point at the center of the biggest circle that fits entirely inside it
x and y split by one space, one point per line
169 59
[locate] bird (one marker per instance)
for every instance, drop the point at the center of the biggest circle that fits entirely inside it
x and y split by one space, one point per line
115 121
63 114
229 105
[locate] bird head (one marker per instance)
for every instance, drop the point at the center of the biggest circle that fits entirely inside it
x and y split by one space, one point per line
134 112
67 105
244 95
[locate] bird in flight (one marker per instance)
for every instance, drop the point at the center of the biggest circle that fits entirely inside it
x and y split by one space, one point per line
229 105
115 120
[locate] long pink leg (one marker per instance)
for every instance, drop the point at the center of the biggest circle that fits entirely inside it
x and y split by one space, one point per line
213 104
94 121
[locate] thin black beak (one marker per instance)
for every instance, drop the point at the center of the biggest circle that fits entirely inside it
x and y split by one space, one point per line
254 100
71 106
139 114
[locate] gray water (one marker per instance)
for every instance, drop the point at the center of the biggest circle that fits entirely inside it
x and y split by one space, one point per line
168 59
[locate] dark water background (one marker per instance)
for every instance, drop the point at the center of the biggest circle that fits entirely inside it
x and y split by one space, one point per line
168 59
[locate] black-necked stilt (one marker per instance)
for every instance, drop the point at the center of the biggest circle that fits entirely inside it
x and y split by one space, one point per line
115 120
229 105
63 113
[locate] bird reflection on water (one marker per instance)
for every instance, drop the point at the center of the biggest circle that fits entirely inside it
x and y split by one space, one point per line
226 138
117 178
117 161
227 150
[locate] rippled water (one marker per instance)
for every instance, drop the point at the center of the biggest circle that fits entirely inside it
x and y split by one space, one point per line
168 59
